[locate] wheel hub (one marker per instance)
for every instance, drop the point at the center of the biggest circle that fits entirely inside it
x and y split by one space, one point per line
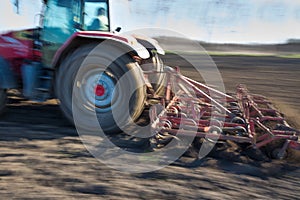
99 90
104 91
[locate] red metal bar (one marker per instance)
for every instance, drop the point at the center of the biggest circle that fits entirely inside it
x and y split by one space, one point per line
294 145
188 133
209 89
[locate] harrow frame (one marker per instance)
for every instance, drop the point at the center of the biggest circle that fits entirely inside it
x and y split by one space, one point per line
200 111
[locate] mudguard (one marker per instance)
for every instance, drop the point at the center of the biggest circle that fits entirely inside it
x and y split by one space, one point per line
149 43
128 43
7 78
142 45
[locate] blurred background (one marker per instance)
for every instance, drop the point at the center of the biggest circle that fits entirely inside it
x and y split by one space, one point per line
213 21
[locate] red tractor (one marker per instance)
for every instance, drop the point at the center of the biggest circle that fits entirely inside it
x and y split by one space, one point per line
43 62
95 72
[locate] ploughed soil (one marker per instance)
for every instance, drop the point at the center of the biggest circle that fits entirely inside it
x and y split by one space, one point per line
41 155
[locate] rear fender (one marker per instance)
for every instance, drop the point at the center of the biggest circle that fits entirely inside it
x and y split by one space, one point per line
7 78
149 43
127 43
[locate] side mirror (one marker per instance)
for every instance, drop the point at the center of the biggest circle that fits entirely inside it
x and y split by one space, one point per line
118 29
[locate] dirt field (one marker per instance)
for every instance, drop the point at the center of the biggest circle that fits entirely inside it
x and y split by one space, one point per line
42 157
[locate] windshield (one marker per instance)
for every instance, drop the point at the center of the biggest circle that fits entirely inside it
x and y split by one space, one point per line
96 16
58 21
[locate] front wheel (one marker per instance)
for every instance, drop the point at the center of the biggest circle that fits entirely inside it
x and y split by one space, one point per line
88 83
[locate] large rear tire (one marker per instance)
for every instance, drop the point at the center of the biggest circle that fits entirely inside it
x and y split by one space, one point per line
3 98
93 74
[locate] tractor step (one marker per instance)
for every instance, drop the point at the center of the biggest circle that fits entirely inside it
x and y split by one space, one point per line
44 91
44 86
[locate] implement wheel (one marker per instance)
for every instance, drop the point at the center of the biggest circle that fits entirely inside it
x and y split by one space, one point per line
93 74
158 81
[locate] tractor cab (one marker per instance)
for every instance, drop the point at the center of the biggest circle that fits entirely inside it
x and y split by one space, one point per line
61 48
65 17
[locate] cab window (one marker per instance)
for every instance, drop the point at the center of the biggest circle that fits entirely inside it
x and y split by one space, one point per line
96 16
58 21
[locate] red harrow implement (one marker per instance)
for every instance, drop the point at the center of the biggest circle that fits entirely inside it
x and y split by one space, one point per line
197 110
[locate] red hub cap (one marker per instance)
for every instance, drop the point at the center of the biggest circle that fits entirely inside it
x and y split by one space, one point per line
99 90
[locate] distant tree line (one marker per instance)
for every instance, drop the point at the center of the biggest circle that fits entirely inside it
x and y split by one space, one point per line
293 41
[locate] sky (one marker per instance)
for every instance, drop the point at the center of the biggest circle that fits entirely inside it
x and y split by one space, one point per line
222 21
